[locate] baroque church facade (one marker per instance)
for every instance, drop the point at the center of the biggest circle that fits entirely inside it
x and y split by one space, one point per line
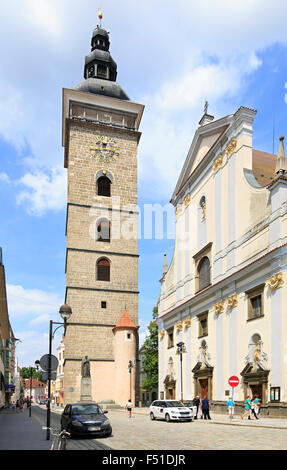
222 307
100 138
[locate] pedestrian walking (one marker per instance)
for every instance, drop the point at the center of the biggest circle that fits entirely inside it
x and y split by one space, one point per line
13 406
129 408
17 405
196 402
247 408
230 405
21 405
253 408
257 405
205 406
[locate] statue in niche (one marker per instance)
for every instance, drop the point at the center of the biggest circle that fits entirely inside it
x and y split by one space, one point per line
86 370
204 356
255 352
203 207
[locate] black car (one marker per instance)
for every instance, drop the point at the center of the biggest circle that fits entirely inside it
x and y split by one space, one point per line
85 418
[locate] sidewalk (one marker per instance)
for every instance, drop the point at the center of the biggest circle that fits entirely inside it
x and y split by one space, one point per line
20 432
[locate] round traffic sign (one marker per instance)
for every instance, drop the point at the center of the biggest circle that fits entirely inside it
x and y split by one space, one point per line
233 381
44 362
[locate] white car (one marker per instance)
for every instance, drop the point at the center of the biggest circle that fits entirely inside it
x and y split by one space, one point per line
170 410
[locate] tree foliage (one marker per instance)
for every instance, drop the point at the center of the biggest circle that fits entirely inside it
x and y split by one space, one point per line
150 348
26 373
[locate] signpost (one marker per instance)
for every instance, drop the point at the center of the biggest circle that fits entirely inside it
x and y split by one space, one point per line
233 382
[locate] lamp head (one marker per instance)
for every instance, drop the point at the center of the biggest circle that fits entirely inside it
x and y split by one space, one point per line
65 312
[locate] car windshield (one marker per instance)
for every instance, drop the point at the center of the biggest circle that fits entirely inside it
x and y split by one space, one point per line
86 409
174 404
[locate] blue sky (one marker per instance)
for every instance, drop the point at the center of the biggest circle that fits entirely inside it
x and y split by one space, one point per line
171 57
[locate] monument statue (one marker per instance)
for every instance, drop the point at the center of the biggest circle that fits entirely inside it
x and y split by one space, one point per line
86 371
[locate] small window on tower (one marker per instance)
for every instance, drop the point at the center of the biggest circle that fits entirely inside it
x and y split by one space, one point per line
103 270
104 186
102 71
103 304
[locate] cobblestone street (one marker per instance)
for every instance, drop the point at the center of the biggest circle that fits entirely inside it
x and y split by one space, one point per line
140 433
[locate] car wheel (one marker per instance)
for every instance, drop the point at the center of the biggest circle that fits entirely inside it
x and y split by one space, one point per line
167 418
152 416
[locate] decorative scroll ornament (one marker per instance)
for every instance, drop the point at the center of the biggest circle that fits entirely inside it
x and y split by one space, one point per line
187 200
187 322
230 149
276 281
162 334
219 308
178 210
218 163
178 326
232 301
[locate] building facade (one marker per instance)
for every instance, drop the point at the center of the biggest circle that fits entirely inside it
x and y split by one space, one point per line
224 293
59 382
7 344
100 137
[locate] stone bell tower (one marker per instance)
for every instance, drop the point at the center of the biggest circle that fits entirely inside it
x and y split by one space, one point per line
100 138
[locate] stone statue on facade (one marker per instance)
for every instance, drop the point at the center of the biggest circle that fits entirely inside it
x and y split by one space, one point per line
86 381
86 370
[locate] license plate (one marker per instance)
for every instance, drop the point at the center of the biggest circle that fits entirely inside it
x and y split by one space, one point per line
94 428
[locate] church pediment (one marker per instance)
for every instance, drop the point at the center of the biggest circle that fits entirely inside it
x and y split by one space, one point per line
203 143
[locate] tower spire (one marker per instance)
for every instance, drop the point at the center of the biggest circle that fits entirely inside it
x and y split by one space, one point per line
281 164
100 14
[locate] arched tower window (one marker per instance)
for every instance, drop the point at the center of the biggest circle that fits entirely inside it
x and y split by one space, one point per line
103 228
104 186
204 273
103 270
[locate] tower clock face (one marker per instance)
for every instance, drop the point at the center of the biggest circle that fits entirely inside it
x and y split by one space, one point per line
105 150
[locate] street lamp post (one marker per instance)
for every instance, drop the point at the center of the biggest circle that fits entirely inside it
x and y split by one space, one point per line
31 378
180 350
130 366
65 312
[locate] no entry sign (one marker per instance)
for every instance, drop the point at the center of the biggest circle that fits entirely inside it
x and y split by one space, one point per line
233 381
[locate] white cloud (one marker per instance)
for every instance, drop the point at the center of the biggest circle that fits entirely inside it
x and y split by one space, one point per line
44 191
30 302
4 178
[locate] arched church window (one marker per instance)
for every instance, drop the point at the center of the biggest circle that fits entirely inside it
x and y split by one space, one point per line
204 273
103 269
104 186
103 228
91 71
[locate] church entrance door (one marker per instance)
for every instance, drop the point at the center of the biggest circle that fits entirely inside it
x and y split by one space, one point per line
256 390
203 388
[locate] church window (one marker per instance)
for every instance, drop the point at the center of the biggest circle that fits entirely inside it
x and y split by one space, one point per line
204 273
203 325
104 186
103 230
103 269
255 302
170 342
103 304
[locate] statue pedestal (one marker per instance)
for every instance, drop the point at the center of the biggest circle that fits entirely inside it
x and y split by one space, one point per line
86 389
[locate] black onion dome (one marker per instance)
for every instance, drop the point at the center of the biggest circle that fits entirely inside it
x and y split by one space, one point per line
100 70
102 87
